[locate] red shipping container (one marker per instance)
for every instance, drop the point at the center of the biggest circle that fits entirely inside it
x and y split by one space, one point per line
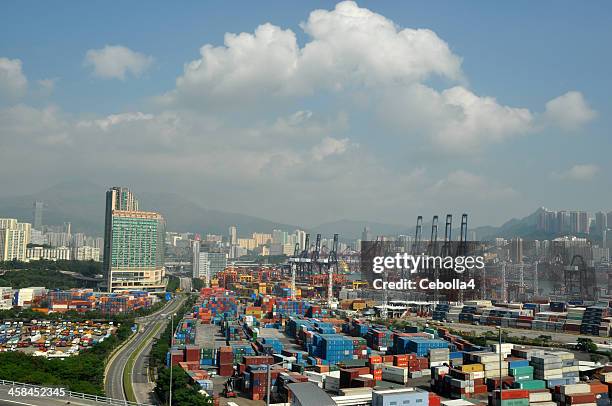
434 400
258 360
480 389
192 353
513 394
226 370
362 382
580 398
597 388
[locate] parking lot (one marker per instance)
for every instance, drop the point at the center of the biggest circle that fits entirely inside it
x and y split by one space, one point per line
52 338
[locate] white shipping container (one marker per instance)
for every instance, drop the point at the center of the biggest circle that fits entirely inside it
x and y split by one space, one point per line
575 389
540 397
393 377
495 365
390 369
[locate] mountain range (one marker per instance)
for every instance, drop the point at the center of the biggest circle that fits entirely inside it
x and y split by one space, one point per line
82 204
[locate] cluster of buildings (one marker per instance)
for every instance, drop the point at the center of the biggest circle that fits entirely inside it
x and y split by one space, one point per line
79 300
132 249
14 239
22 242
573 222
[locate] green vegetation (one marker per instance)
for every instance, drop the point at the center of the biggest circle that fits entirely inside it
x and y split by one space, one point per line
197 284
157 356
129 367
161 346
81 373
183 393
586 345
47 273
25 278
173 284
85 268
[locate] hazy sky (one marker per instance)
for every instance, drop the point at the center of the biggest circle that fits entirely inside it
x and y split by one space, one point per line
307 112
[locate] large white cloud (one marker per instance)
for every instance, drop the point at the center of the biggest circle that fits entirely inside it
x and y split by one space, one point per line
352 50
116 61
349 46
13 83
569 111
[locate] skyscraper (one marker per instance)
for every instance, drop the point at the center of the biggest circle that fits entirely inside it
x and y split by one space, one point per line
233 235
601 222
366 235
516 250
195 258
37 215
133 244
14 238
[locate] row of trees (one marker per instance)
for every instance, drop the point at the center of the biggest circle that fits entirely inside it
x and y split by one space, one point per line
85 268
33 277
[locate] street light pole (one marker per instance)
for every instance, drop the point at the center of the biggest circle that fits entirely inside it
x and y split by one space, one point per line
501 384
171 344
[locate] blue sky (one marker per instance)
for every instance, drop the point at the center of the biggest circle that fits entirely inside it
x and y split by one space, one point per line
524 54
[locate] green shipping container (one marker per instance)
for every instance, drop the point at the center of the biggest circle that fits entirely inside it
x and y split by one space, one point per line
518 378
515 402
530 385
521 371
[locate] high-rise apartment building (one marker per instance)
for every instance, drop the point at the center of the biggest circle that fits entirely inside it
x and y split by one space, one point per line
279 237
58 239
301 238
87 253
516 250
262 238
208 264
601 222
366 235
195 258
14 238
133 255
233 235
248 244
37 215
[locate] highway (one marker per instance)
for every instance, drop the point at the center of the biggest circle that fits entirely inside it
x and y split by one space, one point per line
7 399
113 380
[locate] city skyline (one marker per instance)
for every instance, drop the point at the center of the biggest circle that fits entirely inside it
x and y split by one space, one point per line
480 121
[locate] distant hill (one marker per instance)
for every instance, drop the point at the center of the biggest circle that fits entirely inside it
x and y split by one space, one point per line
82 203
525 227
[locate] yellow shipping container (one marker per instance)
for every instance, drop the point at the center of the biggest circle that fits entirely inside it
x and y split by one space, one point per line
472 368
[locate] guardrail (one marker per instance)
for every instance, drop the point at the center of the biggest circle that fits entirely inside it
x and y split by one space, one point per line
79 395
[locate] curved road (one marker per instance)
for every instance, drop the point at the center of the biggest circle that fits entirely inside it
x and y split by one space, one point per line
113 381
